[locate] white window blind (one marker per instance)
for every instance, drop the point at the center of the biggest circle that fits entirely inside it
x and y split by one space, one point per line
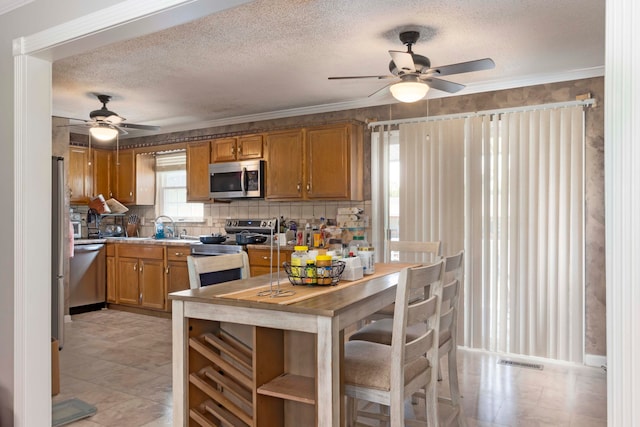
171 188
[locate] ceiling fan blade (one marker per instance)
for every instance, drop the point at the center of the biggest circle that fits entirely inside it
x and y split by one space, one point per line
462 67
135 126
362 77
122 131
379 90
443 85
403 61
114 119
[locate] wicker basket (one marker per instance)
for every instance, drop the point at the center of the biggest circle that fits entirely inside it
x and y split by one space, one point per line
324 276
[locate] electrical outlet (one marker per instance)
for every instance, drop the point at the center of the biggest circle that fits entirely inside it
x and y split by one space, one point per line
142 221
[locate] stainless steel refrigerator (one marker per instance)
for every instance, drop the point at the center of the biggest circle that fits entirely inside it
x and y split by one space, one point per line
59 235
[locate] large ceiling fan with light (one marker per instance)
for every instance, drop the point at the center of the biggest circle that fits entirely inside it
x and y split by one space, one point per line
417 75
106 125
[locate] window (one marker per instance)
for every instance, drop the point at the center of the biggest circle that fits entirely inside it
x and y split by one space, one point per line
171 188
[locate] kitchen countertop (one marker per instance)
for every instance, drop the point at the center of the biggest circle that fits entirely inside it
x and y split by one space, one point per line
88 241
149 241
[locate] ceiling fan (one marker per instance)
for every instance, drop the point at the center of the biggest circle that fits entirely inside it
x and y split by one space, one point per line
106 125
417 75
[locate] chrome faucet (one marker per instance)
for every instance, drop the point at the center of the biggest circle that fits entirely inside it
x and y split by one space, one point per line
173 224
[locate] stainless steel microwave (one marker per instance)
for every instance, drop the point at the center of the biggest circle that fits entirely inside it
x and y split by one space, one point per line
237 180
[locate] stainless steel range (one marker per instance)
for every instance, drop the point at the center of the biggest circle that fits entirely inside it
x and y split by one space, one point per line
246 227
260 226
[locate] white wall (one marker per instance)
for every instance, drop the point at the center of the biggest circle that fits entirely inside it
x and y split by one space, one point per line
50 30
34 17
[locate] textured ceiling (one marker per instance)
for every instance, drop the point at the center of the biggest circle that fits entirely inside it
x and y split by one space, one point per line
272 58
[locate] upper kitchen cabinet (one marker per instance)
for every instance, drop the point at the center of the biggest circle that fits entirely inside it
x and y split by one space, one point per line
102 170
243 147
198 156
334 162
284 170
134 178
318 163
79 175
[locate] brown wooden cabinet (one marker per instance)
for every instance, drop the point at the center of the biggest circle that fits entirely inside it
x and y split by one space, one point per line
102 170
177 272
284 168
198 158
111 273
243 147
260 259
79 175
140 273
319 163
134 178
334 163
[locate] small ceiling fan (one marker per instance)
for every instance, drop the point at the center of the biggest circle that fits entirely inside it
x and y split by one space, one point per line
106 125
417 75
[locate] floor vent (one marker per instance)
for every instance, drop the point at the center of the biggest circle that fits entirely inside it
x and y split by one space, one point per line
520 364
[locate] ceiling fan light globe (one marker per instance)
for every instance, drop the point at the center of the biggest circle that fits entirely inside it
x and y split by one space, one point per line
411 91
103 133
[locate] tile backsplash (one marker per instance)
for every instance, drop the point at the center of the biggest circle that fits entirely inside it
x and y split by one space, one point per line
215 214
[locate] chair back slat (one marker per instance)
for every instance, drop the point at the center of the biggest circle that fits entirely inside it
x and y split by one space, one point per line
446 320
419 346
208 264
413 248
450 291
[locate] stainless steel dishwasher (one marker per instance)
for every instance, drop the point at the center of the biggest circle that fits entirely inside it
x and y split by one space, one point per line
87 277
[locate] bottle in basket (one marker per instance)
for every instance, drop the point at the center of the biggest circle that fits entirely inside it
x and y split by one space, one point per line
299 263
324 269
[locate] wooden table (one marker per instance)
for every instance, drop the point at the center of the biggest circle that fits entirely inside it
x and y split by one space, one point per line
325 315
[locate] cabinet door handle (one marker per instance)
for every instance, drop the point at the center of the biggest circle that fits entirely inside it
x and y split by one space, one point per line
167 270
140 298
179 254
240 149
265 257
308 187
135 267
298 187
130 193
141 265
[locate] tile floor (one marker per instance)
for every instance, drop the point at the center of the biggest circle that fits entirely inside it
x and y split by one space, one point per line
121 363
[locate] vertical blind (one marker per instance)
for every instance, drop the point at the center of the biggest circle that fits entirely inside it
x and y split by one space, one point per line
525 233
509 188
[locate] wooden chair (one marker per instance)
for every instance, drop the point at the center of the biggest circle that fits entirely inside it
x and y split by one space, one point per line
432 250
200 266
413 250
381 332
388 374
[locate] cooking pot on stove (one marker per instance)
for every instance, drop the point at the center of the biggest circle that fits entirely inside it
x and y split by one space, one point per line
246 238
212 238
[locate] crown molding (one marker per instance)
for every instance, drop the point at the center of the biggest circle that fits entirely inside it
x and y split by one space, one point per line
489 86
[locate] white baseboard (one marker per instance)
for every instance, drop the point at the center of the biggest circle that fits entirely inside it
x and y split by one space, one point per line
595 360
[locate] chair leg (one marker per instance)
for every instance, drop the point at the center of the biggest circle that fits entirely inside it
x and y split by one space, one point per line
350 410
454 388
431 405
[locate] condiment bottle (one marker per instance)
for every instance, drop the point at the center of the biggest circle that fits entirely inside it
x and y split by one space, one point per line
366 255
357 242
299 263
324 269
311 273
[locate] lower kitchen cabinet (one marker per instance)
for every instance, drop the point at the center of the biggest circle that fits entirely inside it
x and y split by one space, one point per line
140 273
260 259
111 273
177 271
